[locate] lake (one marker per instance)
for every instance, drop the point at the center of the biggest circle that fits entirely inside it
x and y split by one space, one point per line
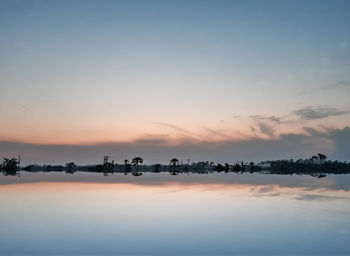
161 214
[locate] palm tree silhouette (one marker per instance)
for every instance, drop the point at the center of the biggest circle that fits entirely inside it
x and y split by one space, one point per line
174 163
136 162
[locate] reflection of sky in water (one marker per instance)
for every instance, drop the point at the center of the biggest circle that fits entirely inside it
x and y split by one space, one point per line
161 214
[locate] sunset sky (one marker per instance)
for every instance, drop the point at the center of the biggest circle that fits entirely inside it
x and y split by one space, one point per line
223 80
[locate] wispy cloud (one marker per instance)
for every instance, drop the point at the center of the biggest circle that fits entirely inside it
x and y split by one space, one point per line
313 113
343 83
311 131
338 85
266 129
152 141
311 197
180 130
215 133
271 119
266 189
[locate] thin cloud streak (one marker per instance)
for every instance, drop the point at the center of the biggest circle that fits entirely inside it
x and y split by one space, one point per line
338 85
271 119
311 197
320 112
183 131
266 129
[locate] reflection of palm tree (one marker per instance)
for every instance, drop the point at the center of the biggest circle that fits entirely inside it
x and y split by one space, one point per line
136 162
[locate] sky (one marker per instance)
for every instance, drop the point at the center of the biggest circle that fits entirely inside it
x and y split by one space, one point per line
206 80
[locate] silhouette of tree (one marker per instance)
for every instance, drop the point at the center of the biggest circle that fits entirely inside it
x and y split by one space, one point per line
314 159
136 162
243 166
126 166
156 168
321 157
10 166
71 167
227 167
174 163
251 167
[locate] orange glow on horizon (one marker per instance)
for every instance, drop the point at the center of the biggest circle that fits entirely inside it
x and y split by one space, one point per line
162 132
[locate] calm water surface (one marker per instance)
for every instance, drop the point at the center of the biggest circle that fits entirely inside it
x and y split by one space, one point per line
160 214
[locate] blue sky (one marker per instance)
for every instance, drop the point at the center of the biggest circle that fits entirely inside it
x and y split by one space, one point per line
193 72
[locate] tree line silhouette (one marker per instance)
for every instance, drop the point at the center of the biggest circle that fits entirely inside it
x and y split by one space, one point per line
317 166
